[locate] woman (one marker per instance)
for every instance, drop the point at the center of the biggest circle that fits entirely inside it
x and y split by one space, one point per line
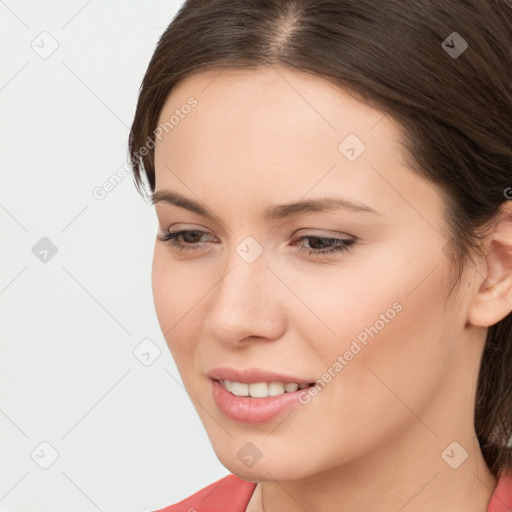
333 267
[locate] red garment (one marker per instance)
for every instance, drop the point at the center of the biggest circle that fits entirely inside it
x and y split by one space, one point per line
501 500
231 494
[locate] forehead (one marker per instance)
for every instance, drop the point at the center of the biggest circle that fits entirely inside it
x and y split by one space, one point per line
270 110
279 134
268 99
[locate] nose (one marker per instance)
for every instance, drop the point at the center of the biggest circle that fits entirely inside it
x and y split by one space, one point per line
247 303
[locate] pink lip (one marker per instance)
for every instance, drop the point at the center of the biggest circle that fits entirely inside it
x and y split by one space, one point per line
252 375
247 409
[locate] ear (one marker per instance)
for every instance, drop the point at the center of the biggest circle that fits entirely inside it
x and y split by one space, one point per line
493 280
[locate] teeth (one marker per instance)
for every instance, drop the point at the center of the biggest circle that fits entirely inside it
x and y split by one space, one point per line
240 389
261 389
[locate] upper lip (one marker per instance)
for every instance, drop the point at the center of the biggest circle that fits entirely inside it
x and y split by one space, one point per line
253 375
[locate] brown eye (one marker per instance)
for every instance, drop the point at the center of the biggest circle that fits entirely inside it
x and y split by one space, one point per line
319 243
190 237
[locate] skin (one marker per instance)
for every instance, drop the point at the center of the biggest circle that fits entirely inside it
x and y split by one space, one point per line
373 437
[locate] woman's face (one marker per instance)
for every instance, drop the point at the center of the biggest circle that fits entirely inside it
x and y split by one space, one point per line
263 292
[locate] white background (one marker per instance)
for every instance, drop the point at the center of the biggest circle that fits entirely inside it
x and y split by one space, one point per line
126 434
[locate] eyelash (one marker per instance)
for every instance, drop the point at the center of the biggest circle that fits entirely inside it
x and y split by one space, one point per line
342 245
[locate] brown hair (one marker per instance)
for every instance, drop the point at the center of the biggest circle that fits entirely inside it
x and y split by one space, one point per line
455 111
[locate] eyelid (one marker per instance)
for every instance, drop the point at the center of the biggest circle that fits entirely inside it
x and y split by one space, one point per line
327 233
182 226
310 232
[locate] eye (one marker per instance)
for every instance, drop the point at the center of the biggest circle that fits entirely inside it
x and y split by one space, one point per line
336 245
171 238
317 248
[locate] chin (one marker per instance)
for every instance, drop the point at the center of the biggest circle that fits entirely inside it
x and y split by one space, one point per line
273 467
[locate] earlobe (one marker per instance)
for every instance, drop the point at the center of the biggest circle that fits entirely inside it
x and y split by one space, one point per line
492 300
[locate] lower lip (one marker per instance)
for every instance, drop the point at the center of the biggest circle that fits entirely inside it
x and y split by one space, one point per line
247 409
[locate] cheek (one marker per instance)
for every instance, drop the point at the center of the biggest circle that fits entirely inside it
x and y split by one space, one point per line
175 294
385 317
160 282
393 347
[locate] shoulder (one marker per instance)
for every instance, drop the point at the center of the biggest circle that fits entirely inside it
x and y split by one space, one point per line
228 494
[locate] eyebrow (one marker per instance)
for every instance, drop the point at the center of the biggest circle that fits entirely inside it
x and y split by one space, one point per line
273 212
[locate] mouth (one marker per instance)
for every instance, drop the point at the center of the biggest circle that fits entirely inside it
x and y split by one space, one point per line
261 389
259 402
